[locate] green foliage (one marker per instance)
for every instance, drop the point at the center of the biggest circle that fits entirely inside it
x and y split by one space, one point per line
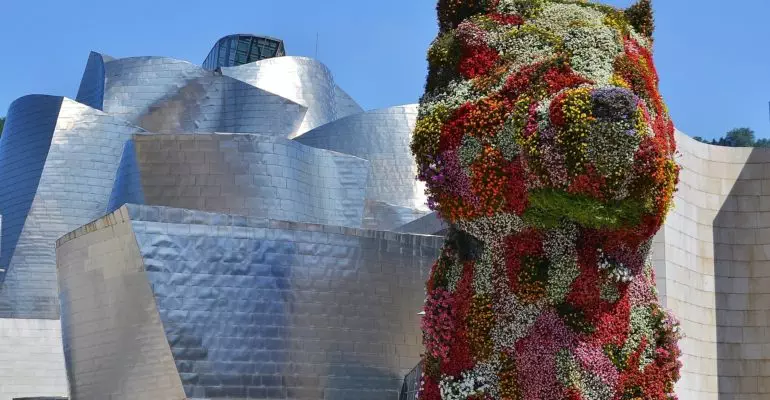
640 17
738 137
452 12
548 208
443 56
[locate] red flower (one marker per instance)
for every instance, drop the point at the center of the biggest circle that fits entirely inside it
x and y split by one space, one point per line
525 244
590 184
452 133
506 19
516 189
481 119
654 380
460 358
637 68
429 389
574 394
562 77
477 61
520 82
556 110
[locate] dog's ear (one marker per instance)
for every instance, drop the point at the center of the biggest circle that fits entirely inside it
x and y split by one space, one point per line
640 16
452 12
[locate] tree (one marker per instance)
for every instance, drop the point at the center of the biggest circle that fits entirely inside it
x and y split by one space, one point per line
738 137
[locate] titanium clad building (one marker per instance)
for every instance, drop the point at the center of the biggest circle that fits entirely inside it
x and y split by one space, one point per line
230 223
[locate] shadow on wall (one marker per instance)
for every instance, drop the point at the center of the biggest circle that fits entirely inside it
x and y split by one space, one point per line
741 232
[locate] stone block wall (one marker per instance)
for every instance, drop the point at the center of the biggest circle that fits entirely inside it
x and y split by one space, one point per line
713 259
31 360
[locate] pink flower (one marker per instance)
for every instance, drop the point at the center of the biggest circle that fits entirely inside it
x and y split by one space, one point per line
593 359
536 358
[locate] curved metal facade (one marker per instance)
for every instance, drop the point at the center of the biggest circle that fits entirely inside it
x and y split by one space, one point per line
251 308
302 80
24 147
345 104
164 95
75 152
223 104
91 90
250 175
133 85
382 136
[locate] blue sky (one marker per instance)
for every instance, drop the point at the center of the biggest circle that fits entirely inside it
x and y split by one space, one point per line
712 55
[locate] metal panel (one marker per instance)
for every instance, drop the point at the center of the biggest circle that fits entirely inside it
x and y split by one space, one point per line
223 104
165 95
83 153
251 175
387 217
255 308
128 181
133 85
382 136
91 90
345 104
114 343
302 80
430 224
24 147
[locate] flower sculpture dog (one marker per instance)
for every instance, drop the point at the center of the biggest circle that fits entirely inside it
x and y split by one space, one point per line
545 144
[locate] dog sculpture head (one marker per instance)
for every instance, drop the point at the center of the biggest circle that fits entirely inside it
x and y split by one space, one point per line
539 111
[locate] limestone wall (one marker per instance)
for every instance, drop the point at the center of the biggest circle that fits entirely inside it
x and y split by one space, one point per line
31 358
713 259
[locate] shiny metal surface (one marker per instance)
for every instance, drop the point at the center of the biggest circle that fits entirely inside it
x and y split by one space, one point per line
381 136
165 95
91 90
24 145
114 343
251 175
379 215
252 308
322 311
58 160
345 104
303 80
430 224
132 86
223 104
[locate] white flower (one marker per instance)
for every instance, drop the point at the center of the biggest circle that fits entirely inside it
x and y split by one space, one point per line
481 380
559 246
594 50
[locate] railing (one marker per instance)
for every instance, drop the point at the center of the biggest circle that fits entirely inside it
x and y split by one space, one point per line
411 384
